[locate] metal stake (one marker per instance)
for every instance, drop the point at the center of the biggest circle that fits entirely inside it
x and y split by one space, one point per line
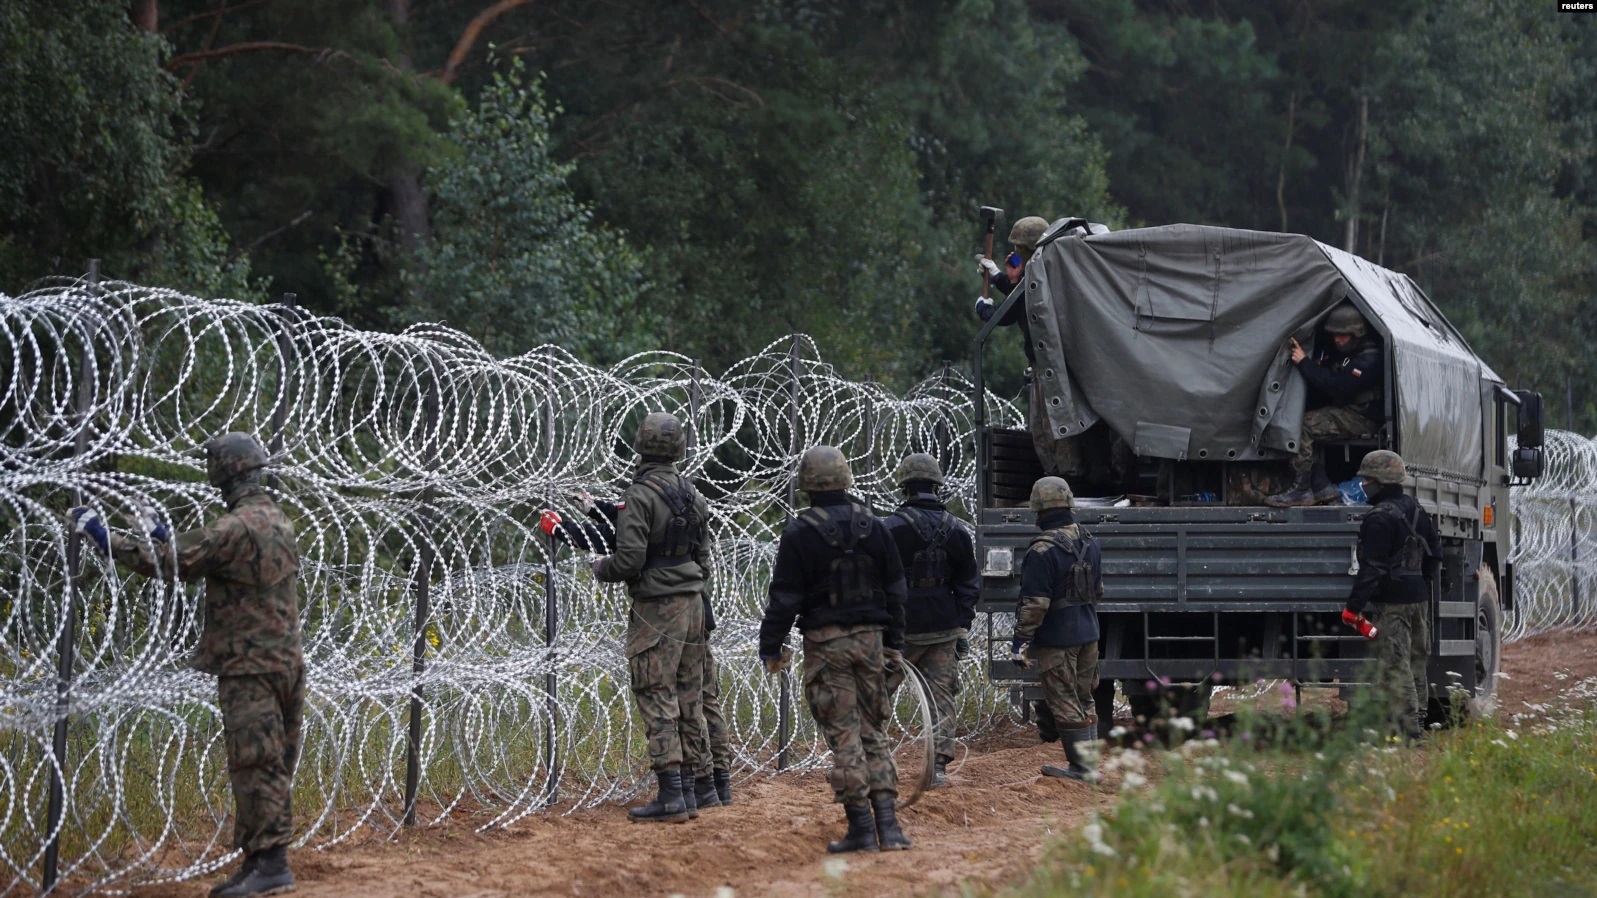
422 579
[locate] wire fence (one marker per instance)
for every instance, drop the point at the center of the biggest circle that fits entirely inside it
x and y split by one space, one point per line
460 666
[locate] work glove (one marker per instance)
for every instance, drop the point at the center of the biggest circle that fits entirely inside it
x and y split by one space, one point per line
986 266
88 523
597 564
962 648
1020 653
152 525
775 663
984 308
548 520
583 500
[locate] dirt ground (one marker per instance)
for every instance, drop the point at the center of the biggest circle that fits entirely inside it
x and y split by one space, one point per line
989 828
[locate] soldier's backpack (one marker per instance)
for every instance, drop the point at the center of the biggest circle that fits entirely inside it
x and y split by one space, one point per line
685 531
1410 558
853 578
1076 587
928 569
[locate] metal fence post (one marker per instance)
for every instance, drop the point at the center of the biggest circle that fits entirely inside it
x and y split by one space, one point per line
870 423
285 355
945 436
551 622
784 708
422 579
67 645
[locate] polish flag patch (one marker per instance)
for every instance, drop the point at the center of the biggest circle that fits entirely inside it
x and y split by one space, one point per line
1357 373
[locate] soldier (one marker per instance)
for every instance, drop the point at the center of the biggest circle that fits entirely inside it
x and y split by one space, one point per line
837 571
663 555
1344 401
251 643
1056 621
712 787
940 568
1399 554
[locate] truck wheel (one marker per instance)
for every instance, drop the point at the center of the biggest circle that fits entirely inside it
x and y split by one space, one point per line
1488 653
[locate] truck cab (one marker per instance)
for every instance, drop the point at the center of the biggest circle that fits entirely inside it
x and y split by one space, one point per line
1167 347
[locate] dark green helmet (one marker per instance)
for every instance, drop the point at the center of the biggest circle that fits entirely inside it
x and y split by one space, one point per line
660 434
232 455
824 468
1383 466
1051 492
1027 231
918 466
1345 319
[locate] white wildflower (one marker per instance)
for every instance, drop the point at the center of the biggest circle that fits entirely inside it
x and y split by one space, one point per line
1242 812
1237 776
1184 724
1132 781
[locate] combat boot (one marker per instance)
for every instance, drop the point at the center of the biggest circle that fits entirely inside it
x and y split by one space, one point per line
668 806
238 877
1077 768
690 797
888 835
704 794
723 785
861 835
940 774
1325 492
1300 493
269 875
1047 729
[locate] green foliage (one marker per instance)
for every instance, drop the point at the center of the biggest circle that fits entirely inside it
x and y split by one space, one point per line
92 152
516 261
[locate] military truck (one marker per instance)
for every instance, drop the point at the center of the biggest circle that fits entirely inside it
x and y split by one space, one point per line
1168 349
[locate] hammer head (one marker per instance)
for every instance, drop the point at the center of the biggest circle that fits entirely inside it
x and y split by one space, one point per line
990 216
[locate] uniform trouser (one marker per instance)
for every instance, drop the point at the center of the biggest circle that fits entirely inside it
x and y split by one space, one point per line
1402 656
261 718
1098 454
939 664
1326 424
665 658
846 687
1068 676
714 721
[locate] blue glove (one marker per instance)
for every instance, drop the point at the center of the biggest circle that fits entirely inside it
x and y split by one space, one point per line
984 308
962 648
152 525
88 523
1020 653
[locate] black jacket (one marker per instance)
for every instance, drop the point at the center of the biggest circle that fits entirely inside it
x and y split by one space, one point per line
1042 573
951 604
1001 288
1352 379
599 535
804 566
1381 538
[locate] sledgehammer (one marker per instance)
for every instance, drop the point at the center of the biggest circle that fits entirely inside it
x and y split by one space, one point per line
990 216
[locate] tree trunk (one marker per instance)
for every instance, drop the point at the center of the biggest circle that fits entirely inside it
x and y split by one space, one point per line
146 14
405 186
1355 175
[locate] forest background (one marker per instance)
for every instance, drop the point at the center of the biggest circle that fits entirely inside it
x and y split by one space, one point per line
706 176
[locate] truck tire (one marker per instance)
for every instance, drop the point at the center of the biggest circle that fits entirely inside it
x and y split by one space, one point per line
1488 655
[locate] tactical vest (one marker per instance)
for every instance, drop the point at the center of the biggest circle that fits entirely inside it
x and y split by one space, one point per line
1076 587
685 531
928 569
852 578
1410 558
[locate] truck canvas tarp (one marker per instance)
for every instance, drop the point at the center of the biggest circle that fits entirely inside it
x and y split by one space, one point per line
1177 338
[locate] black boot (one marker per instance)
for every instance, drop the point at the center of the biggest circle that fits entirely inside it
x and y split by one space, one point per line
238 877
269 875
1325 492
1300 493
668 806
690 798
1047 730
723 786
1077 769
888 835
704 794
861 835
940 774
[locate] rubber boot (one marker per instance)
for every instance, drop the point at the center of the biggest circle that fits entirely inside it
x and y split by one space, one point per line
237 877
1325 492
723 786
861 835
940 774
704 794
888 835
1301 493
1077 768
269 875
1047 729
668 806
690 798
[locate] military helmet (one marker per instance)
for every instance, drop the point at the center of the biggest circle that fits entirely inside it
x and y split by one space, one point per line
660 433
824 468
1345 319
1028 231
232 455
918 466
1051 492
1383 466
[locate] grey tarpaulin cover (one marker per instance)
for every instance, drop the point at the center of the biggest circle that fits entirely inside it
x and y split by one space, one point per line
1176 337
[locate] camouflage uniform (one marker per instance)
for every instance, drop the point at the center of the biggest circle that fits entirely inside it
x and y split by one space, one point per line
1064 634
1345 392
666 647
251 641
1331 422
938 662
714 720
846 687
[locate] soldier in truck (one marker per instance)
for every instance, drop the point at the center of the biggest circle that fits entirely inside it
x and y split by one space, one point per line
1344 383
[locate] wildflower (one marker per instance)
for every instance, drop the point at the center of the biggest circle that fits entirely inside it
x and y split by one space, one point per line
1242 812
1237 777
1117 732
1184 724
1132 781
